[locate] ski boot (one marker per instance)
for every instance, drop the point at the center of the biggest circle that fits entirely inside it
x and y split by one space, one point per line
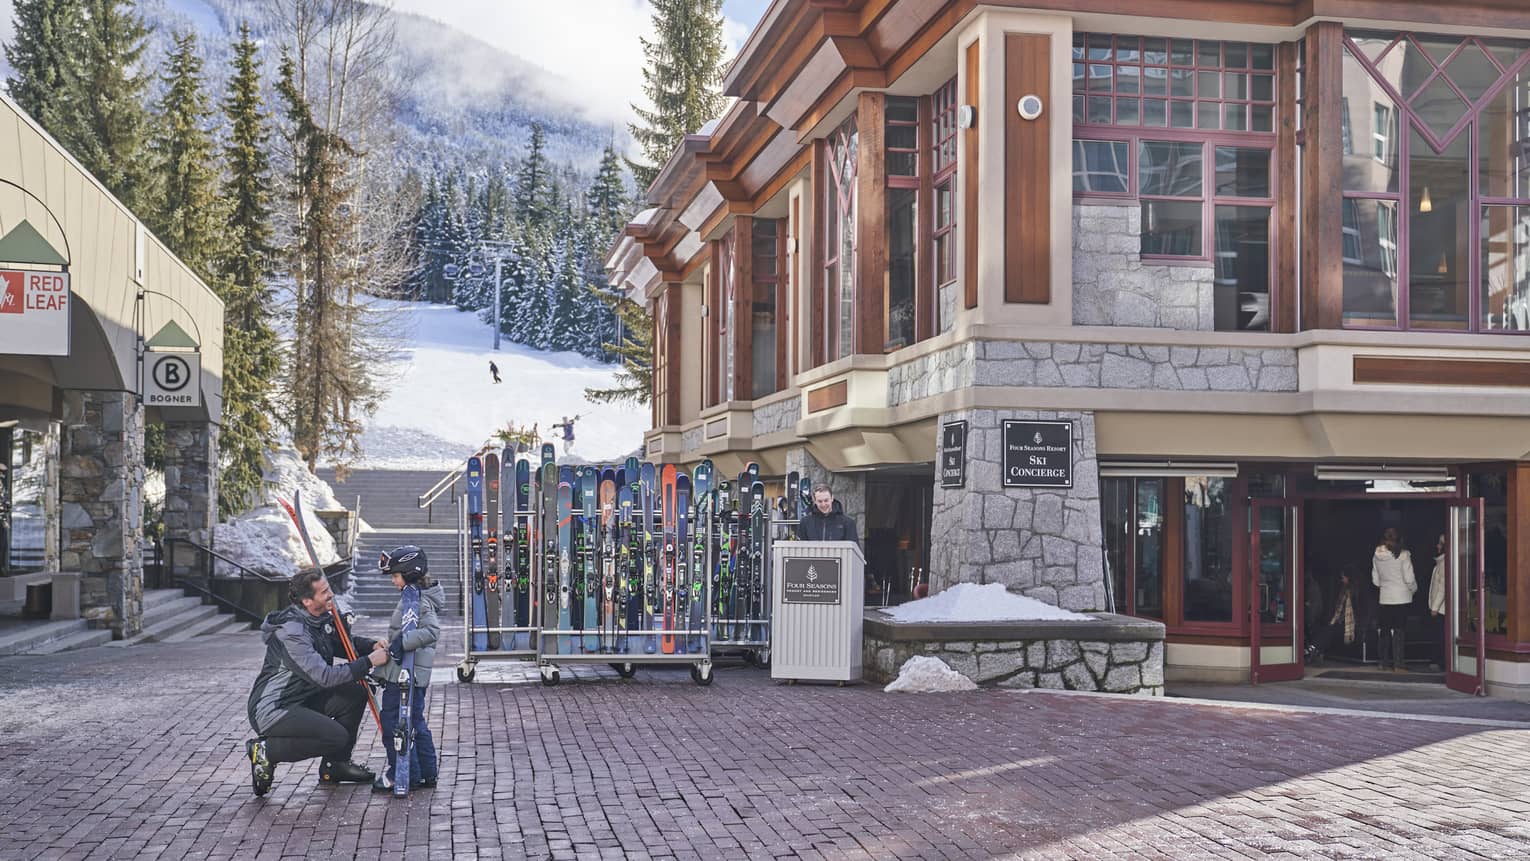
262 771
344 772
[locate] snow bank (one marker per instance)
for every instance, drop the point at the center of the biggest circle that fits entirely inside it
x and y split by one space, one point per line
969 602
442 405
264 539
922 674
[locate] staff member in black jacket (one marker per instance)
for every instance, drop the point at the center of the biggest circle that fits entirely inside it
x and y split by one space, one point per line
823 523
303 704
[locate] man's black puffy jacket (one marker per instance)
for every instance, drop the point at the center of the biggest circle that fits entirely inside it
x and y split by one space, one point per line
834 526
300 661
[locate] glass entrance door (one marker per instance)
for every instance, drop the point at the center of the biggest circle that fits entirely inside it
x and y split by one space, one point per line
1465 635
1275 601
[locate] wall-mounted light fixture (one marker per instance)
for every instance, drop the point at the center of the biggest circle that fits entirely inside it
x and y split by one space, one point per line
1425 204
1029 106
966 117
703 310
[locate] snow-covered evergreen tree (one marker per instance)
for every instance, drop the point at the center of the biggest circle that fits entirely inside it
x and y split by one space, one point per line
44 58
680 79
106 126
189 217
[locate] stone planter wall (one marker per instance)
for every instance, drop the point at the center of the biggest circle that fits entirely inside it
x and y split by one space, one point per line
1111 653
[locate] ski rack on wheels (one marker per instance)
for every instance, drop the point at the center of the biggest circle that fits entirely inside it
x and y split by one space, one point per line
754 644
625 663
468 667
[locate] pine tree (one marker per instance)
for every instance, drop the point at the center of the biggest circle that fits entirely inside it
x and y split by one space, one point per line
534 188
251 349
634 380
607 198
107 125
680 79
188 218
44 57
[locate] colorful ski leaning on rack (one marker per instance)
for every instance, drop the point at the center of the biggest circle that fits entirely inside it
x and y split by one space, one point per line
479 612
491 563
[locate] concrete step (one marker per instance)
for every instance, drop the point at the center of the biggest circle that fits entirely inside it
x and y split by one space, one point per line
197 628
165 627
233 625
80 640
178 603
26 636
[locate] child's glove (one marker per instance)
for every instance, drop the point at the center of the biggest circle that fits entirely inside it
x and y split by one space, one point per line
396 648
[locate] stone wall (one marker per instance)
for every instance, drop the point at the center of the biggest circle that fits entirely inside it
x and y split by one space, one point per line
191 487
849 488
1113 287
1057 364
101 505
777 417
1116 654
1044 543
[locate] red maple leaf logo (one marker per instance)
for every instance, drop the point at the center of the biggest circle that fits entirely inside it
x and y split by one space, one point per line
11 296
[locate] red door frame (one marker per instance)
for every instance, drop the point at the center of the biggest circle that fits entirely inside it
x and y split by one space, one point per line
1295 520
1456 681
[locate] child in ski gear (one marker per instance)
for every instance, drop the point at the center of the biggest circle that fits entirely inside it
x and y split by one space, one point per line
825 522
303 705
407 566
494 371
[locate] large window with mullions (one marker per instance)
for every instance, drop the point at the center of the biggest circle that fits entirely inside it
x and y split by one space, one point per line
1185 128
1437 212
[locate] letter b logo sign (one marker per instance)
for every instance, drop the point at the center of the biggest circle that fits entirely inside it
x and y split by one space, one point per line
172 373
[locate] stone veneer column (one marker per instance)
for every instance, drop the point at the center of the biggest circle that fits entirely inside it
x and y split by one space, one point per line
52 528
101 504
191 486
1041 542
849 487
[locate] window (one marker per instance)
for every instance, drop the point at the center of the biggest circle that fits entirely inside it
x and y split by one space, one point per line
1446 181
838 325
1133 511
660 375
1346 133
1208 564
943 231
903 226
765 267
727 277
1186 128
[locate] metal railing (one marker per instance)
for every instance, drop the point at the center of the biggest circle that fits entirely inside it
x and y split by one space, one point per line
203 586
427 499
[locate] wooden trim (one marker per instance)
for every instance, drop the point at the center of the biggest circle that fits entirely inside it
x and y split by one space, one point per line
673 350
1441 372
816 285
783 303
782 178
1027 171
794 233
1286 218
1322 257
711 363
1173 637
741 339
969 180
1174 552
925 288
1518 557
828 397
871 272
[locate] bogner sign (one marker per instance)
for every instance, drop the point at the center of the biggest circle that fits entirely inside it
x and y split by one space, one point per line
172 379
34 313
1038 454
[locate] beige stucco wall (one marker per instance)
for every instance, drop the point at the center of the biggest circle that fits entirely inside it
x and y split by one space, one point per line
111 257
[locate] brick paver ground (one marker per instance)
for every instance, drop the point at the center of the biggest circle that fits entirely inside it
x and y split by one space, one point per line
123 753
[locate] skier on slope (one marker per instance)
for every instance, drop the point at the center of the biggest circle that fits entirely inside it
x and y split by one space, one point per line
494 370
302 705
568 432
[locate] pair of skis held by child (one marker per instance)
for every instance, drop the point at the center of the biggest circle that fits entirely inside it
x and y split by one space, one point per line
627 567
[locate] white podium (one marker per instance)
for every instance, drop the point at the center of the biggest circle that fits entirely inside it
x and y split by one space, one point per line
817 596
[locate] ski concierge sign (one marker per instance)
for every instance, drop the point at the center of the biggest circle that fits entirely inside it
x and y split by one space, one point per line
953 454
172 379
34 313
1038 454
812 580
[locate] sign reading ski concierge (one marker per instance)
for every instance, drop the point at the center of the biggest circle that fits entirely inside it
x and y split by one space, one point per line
953 454
810 581
1038 454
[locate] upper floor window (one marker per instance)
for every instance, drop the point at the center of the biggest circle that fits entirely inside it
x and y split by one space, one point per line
1185 128
837 328
943 235
766 268
1440 207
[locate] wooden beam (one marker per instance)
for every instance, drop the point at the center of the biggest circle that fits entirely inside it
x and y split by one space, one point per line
1027 171
828 397
783 299
1322 258
741 338
816 242
1286 223
969 179
1400 370
870 263
674 350
795 238
783 177
925 288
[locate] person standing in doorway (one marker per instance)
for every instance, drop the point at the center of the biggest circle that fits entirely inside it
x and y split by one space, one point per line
494 370
1437 587
1392 573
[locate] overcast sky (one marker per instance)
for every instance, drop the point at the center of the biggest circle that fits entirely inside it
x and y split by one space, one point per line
591 43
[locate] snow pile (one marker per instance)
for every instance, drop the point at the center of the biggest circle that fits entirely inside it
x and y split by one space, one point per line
264 539
969 602
442 405
922 674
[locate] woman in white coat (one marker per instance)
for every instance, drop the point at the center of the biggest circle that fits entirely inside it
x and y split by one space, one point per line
1392 573
1437 586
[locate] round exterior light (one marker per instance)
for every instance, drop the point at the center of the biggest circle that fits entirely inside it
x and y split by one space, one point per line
1030 107
966 117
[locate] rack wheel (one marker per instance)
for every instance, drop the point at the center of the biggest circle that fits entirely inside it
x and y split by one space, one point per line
762 659
626 671
466 670
701 674
550 676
